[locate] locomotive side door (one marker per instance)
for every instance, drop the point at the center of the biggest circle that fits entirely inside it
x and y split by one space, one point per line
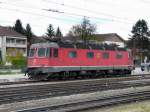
54 57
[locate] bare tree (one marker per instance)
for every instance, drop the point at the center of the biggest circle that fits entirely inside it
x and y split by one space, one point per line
84 31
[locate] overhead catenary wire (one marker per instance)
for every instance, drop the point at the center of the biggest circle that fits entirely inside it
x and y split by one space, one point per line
119 19
88 10
69 15
60 12
74 14
145 2
92 17
41 15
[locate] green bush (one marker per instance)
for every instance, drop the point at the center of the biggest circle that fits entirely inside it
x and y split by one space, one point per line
16 58
19 62
1 63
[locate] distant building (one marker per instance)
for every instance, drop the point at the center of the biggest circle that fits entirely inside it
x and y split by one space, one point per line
109 38
10 39
38 39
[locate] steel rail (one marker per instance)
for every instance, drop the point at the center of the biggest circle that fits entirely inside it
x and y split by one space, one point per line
70 80
80 106
38 92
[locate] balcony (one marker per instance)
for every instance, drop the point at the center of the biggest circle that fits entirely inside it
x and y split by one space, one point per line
15 45
18 43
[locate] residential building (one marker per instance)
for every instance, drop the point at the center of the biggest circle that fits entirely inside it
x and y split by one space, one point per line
111 38
38 39
11 42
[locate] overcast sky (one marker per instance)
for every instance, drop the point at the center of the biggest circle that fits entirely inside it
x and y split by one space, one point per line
110 16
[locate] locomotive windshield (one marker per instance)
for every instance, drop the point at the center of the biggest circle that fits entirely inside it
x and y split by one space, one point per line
31 52
41 52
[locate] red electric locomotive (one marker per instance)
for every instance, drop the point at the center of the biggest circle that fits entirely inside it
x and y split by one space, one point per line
62 59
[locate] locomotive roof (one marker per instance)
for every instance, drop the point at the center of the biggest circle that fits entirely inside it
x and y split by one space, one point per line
79 45
52 44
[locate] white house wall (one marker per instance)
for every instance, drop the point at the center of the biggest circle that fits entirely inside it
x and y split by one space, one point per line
3 48
0 41
4 45
17 45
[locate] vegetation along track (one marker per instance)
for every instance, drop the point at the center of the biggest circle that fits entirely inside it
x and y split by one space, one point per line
101 102
24 93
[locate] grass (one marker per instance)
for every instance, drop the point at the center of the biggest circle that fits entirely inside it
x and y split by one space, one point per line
9 73
6 73
132 107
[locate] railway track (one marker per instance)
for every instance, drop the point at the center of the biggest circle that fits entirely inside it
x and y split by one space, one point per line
133 77
18 82
101 102
31 92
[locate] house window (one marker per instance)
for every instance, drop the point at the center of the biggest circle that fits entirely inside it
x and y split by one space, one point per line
10 40
90 54
20 41
119 55
72 54
31 52
55 52
106 55
41 52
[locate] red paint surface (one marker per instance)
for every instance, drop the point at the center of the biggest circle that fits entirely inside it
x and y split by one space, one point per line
81 59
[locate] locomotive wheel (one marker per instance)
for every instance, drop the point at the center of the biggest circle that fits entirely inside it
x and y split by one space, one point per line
38 77
73 75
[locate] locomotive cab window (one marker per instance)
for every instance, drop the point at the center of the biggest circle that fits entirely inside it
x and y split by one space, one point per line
90 54
106 55
48 52
55 52
119 56
41 52
31 52
72 54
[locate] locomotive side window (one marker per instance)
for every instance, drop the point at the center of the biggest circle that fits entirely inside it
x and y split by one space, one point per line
31 53
72 54
119 55
105 55
41 52
48 52
55 52
90 54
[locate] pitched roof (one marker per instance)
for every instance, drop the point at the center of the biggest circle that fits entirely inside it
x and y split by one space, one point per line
103 37
38 39
110 37
7 31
